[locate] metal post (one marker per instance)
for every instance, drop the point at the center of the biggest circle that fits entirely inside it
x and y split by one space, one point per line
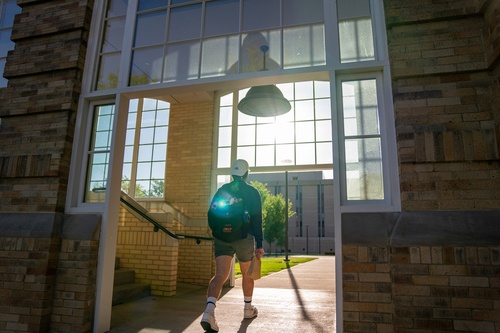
307 238
286 216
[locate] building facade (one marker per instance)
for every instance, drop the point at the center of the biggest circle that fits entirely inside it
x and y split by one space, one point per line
398 100
311 228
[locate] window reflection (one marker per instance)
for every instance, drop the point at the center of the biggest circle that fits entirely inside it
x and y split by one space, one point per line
181 26
146 66
98 153
355 31
356 40
187 40
261 14
111 45
304 46
363 149
150 29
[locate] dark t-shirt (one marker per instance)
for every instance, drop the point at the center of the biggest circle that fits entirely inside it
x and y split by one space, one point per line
253 204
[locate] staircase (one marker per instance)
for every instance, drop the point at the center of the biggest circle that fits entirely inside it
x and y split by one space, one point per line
125 289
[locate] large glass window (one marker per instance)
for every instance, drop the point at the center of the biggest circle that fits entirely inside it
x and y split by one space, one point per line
8 9
98 153
173 41
187 40
111 45
303 136
146 148
355 31
363 141
145 152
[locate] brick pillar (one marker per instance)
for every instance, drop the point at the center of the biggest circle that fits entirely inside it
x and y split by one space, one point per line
47 277
189 160
39 104
444 63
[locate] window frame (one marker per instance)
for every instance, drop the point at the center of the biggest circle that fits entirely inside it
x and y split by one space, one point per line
75 201
236 126
136 147
391 199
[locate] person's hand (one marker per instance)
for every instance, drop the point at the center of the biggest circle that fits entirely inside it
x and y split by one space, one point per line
259 253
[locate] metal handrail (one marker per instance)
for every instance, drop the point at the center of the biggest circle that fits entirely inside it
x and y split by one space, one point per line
157 226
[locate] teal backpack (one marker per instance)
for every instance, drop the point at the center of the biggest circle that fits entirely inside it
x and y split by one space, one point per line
227 216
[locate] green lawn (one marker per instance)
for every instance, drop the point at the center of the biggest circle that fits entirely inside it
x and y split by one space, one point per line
275 264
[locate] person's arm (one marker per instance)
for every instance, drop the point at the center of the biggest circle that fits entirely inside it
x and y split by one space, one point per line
259 252
256 219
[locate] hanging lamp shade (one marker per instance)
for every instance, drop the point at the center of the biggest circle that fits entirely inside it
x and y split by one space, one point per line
264 101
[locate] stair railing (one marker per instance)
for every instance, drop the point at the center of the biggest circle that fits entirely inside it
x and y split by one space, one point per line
157 226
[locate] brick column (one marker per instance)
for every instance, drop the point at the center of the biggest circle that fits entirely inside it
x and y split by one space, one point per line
47 279
444 62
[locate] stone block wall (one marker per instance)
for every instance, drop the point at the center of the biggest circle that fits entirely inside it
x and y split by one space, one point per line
444 65
48 269
421 272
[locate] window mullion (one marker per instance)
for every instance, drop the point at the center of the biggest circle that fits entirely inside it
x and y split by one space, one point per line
234 136
128 39
135 151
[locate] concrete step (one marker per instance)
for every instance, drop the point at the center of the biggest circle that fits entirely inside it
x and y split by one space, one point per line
124 276
125 289
124 293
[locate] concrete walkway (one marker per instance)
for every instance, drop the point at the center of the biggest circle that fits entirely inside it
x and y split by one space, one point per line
300 299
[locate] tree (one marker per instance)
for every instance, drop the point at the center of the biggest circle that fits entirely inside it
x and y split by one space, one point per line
273 215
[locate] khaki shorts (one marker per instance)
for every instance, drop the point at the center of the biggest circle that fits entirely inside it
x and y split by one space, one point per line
243 248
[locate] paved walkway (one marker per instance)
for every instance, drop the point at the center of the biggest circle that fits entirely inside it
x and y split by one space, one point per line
300 299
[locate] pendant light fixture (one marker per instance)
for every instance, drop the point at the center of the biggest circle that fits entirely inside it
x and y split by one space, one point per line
264 101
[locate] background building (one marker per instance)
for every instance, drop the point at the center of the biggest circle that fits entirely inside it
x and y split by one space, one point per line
399 98
311 229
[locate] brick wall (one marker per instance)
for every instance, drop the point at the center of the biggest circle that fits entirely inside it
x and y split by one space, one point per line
75 289
44 72
152 255
48 269
421 288
160 260
189 160
444 58
28 269
435 266
421 272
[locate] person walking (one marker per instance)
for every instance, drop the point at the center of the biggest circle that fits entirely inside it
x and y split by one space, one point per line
245 248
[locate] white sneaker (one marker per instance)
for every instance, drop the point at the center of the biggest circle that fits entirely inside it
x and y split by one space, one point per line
208 322
250 313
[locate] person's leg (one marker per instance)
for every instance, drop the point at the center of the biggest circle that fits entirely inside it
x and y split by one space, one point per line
222 269
245 251
247 284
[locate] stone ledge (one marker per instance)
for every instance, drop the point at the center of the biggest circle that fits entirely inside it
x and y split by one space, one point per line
82 226
36 225
50 225
454 228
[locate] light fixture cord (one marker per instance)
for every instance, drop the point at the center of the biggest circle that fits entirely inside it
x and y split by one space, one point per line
264 49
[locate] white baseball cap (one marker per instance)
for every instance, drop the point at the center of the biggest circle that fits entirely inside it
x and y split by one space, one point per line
239 168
